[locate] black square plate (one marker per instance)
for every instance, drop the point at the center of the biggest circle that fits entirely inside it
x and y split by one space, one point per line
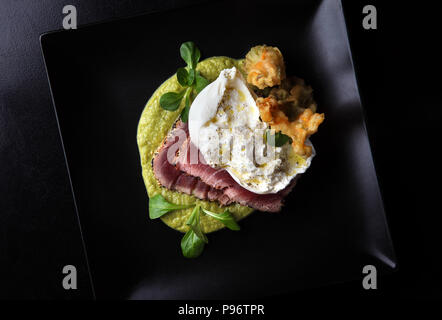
333 223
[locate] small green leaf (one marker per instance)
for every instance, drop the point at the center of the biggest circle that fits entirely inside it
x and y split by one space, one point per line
194 223
194 240
191 78
171 101
196 57
185 112
226 218
191 245
158 206
200 83
278 139
190 54
183 77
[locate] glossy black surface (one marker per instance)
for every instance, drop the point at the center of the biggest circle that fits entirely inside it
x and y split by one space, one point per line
333 223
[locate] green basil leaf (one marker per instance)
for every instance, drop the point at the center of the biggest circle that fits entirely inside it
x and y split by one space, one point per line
200 83
194 223
191 245
226 218
158 206
171 101
190 54
191 77
278 139
185 112
183 77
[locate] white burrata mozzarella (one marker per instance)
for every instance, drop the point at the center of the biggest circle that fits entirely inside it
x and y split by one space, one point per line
224 124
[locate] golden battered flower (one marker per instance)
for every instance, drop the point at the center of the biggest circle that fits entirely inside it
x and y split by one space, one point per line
264 66
305 124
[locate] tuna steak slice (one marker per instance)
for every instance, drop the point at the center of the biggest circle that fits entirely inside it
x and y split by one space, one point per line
175 171
173 179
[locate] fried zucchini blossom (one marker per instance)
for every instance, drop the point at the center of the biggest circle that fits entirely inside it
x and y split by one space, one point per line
264 66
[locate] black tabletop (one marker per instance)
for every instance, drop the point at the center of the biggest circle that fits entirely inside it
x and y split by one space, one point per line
39 229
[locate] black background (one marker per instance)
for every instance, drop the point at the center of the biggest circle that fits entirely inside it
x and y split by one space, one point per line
397 70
